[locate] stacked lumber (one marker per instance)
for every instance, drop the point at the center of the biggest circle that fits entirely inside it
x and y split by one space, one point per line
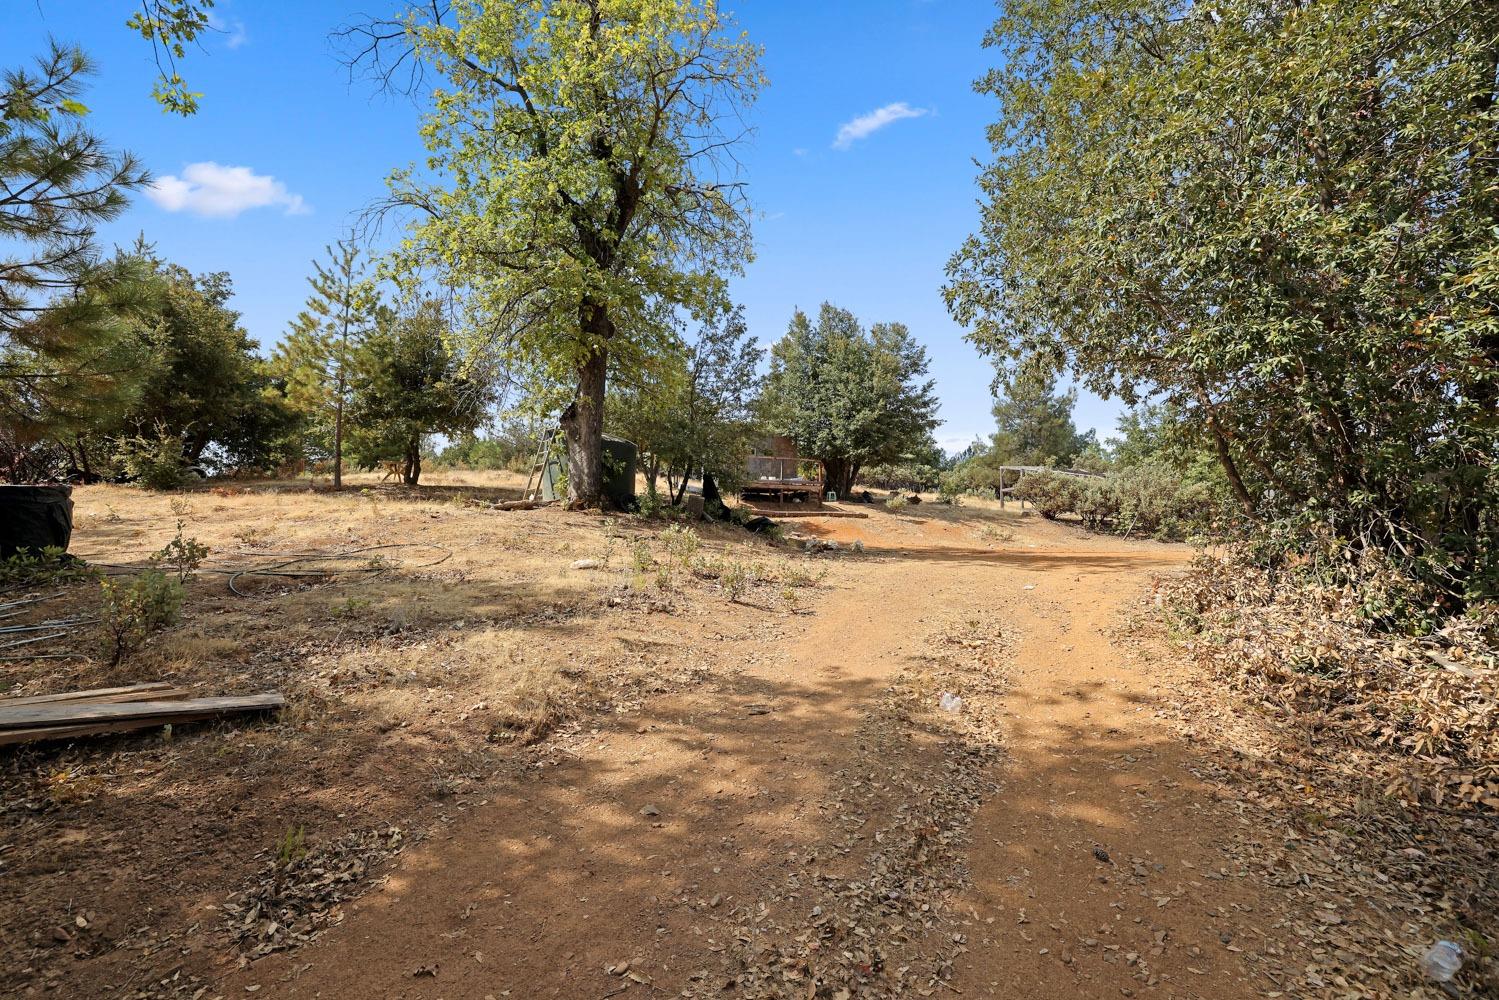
116 710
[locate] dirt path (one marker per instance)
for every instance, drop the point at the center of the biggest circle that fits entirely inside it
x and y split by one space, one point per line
810 827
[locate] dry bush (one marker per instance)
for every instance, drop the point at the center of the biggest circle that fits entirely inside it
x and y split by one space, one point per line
1366 759
1423 709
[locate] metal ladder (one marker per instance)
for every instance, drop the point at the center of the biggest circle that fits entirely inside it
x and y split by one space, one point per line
538 467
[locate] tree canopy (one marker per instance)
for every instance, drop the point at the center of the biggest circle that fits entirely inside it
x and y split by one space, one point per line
850 397
68 317
695 411
406 384
205 383
580 183
1034 424
1279 219
315 360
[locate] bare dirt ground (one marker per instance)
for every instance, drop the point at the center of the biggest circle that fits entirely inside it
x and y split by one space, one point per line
502 776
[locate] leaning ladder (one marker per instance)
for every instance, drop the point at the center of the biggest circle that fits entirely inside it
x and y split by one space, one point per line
538 467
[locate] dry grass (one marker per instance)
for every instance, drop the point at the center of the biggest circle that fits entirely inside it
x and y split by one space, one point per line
409 681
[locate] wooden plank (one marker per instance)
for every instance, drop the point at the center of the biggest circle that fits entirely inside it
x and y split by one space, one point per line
11 737
96 694
34 716
155 694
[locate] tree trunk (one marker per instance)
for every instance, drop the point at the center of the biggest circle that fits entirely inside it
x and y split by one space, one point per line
338 436
413 470
1225 456
682 490
583 428
838 476
83 462
1231 470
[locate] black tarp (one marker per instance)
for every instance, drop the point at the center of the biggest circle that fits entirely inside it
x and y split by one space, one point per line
34 517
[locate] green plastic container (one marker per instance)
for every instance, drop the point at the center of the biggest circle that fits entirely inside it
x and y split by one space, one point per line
620 459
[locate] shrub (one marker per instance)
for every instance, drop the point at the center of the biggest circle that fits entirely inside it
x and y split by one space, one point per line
183 555
681 543
49 566
154 461
132 611
1050 493
651 504
950 489
1148 499
734 579
909 476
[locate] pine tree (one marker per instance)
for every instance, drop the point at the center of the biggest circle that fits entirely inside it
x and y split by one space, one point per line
1033 423
317 356
69 354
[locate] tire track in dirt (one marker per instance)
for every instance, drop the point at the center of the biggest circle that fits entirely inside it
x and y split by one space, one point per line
647 845
1097 869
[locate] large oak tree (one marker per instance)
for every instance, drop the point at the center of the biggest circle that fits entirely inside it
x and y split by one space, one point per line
580 179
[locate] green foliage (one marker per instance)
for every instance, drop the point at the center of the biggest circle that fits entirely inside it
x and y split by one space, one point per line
132 611
682 543
170 26
68 350
153 460
39 569
314 361
902 476
205 382
640 556
949 490
973 475
734 580
1034 423
651 504
579 179
850 397
291 846
1154 500
1279 220
511 442
182 555
406 384
692 409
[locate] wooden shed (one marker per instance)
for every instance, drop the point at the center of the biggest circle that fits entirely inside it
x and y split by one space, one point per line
777 471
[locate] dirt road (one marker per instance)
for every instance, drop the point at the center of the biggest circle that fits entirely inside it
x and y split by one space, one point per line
813 825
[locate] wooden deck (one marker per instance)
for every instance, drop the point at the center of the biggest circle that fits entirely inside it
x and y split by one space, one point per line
807 489
776 511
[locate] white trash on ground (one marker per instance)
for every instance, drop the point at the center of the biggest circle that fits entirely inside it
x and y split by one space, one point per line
950 702
1441 961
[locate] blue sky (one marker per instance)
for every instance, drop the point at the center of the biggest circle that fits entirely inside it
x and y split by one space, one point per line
866 221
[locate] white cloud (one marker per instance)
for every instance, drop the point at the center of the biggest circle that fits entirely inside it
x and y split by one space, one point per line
954 443
221 192
233 29
864 125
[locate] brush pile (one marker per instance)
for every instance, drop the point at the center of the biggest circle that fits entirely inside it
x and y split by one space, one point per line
1376 753
1421 712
